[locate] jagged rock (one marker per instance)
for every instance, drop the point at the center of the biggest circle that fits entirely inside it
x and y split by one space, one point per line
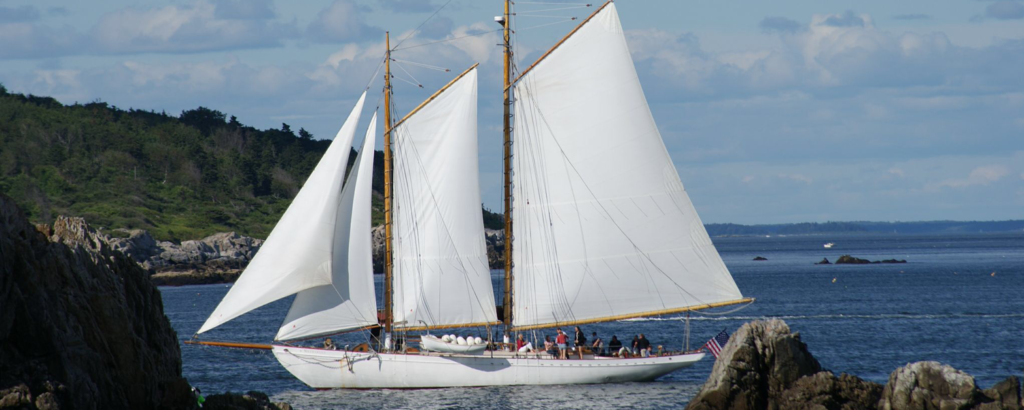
223 247
760 258
495 239
764 366
1006 394
253 400
377 243
139 245
892 261
847 259
933 385
823 390
81 326
824 261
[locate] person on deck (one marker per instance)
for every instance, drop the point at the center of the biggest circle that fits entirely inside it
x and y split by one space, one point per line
644 345
615 346
329 344
549 346
580 340
597 345
633 346
522 346
562 340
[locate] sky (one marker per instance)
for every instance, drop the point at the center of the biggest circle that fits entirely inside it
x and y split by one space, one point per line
773 112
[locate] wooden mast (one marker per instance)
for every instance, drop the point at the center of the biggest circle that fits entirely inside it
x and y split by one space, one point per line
388 287
507 306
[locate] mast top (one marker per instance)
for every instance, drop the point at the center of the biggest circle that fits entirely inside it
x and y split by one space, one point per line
559 43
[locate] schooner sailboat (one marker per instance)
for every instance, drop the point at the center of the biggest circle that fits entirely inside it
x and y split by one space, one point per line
604 231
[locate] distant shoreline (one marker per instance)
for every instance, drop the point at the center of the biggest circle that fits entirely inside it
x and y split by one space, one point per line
866 227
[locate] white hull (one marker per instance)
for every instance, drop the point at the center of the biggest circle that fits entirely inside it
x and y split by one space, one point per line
333 369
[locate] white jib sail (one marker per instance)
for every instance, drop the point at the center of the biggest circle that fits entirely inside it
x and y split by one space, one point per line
441 276
348 302
298 253
603 226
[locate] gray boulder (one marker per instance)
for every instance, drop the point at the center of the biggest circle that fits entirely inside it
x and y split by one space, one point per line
765 366
933 385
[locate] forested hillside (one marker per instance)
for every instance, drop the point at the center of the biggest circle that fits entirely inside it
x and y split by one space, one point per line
180 177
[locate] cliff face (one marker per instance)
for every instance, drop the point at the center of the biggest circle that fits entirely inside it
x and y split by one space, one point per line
81 326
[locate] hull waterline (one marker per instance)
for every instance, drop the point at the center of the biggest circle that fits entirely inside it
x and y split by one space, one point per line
339 369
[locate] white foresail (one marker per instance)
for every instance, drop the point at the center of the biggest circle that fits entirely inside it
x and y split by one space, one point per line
441 276
298 253
348 301
603 226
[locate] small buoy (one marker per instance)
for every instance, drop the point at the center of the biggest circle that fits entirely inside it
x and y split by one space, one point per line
833 280
993 274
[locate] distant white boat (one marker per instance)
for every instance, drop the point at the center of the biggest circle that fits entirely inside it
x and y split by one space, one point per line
829 245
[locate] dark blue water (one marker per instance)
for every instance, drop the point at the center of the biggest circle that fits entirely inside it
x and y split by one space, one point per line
959 300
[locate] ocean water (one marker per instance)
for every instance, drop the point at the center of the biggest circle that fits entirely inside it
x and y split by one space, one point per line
959 300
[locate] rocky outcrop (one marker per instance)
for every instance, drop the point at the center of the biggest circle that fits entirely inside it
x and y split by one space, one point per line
253 400
81 326
225 249
847 259
764 366
824 261
495 239
760 258
932 385
217 258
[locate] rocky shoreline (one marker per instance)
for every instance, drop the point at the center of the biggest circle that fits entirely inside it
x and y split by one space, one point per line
765 366
221 258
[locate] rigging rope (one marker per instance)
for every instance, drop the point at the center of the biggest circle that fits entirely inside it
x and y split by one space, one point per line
421 25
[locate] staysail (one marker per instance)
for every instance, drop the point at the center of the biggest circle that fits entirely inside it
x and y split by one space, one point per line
604 228
441 275
348 301
299 253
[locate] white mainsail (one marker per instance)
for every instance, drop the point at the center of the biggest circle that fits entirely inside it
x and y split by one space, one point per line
441 275
299 253
348 302
604 228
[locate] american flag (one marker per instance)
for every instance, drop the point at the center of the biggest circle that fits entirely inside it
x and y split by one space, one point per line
716 343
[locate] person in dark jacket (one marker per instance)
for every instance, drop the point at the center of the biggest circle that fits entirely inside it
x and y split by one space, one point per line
615 346
644 346
581 341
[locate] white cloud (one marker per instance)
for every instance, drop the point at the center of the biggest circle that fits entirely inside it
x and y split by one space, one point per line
897 172
341 22
30 40
797 177
983 175
186 29
199 26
